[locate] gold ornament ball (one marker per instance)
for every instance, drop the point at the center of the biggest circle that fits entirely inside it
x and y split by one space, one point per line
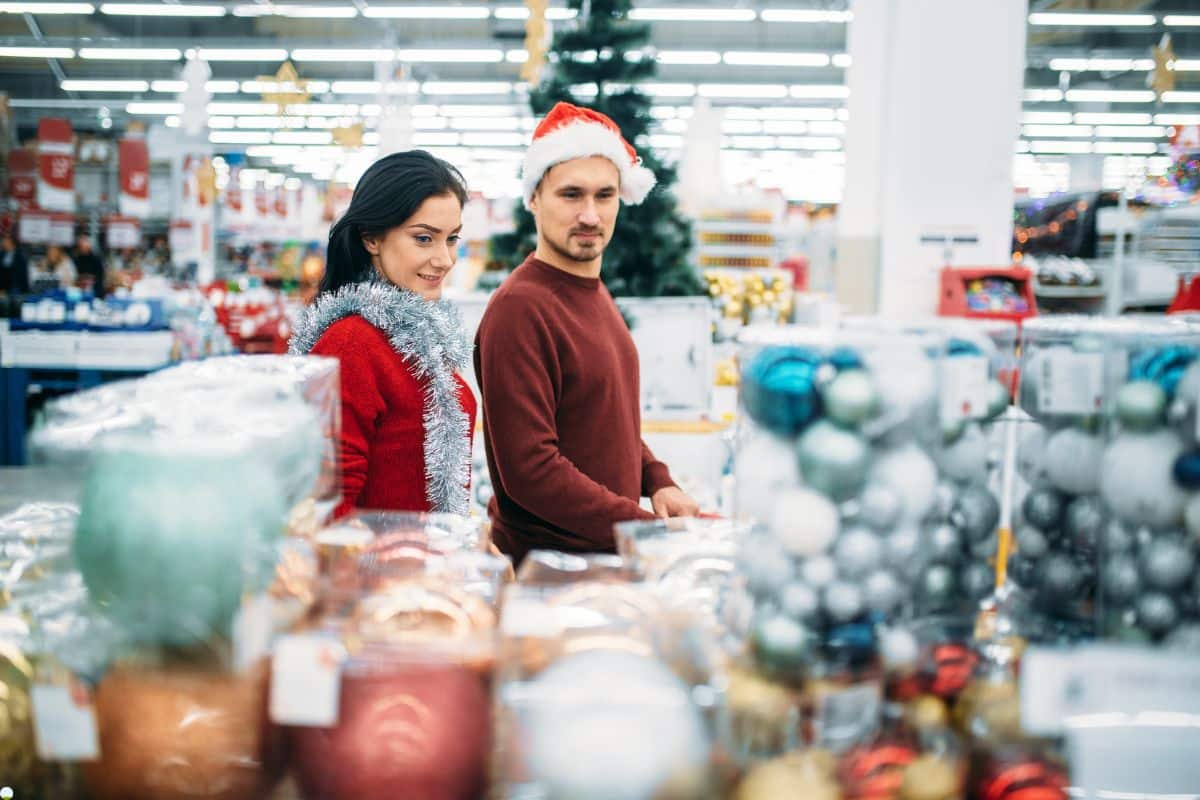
927 712
990 710
733 309
764 713
17 762
786 777
930 778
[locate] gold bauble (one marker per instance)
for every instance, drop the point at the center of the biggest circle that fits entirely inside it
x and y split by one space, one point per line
930 778
17 759
926 712
990 709
755 299
788 777
765 714
734 309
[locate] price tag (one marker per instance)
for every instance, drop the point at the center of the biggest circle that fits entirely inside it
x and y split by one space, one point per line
1070 382
252 628
306 675
964 387
847 716
64 723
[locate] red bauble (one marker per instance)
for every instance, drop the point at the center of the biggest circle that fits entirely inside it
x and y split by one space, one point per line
875 772
410 731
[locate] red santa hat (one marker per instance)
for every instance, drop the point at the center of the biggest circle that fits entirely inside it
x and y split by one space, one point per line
570 132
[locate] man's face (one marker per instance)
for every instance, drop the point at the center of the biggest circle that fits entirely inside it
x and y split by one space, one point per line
576 207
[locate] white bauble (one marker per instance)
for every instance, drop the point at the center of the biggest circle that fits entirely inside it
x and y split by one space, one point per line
912 474
906 379
804 522
1031 453
966 458
764 467
899 649
1136 480
612 725
818 572
1071 460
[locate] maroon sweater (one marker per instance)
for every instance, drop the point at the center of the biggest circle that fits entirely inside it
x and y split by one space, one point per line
558 372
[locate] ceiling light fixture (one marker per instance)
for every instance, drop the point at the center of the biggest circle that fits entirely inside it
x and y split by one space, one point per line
1047 118
1101 64
76 85
239 137
758 59
1181 20
47 8
692 15
1076 19
1051 131
343 54
1110 96
1130 132
466 87
520 12
461 56
1102 118
296 11
688 57
819 91
426 12
152 109
766 91
1043 95
161 10
130 53
234 54
1042 146
1181 97
805 15
36 52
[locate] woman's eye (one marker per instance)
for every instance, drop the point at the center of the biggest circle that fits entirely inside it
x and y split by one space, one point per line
455 239
424 239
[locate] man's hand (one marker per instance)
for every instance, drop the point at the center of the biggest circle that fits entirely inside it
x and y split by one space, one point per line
670 501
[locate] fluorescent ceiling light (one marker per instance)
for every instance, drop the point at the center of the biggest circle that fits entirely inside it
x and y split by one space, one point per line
220 87
36 52
1181 97
343 54
1092 20
356 87
297 11
779 112
426 12
475 110
302 137
329 109
222 122
1110 96
434 139
786 126
287 87
46 8
838 128
430 123
242 108
692 15
516 56
495 139
168 87
659 89
1177 119
151 109
74 85
842 60
739 126
757 90
819 90
1042 146
1101 64
1132 148
242 54
485 123
808 143
270 123
664 141
1181 20
161 10
1043 95
760 59
239 137
172 122
677 125
804 15
1130 132
1051 131
1047 117
130 53
1185 65
1101 118
463 56
692 57
466 87
521 12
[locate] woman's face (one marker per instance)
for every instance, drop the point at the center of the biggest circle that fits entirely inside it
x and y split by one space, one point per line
419 253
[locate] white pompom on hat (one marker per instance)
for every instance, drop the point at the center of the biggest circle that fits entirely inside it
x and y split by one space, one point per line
570 132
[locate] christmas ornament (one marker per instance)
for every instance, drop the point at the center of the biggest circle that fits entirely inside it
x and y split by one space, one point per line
1141 405
880 506
1071 461
1191 517
927 713
930 777
1025 779
17 762
787 776
858 551
629 730
1164 366
766 565
181 732
1031 452
1043 509
1022 569
945 544
163 536
779 389
1031 543
833 460
851 646
882 592
899 649
977 580
1157 613
799 601
947 493
765 466
1116 538
876 770
998 400
902 549
911 473
1185 637
937 588
1136 480
805 522
783 646
906 379
818 572
1186 471
762 711
850 398
1059 579
1167 563
966 459
976 512
1119 580
842 601
1084 522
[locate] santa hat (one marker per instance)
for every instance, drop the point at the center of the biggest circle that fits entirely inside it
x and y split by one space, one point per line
570 132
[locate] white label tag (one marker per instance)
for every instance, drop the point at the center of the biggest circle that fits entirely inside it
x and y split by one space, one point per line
252 629
64 723
964 387
1070 382
847 716
306 681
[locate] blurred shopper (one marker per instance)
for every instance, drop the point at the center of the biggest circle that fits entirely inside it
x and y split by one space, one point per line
407 416
556 364
14 267
90 266
57 265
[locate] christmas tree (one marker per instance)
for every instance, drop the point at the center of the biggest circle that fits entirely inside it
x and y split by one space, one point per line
647 256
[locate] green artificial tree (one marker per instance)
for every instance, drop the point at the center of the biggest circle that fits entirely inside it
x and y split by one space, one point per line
648 254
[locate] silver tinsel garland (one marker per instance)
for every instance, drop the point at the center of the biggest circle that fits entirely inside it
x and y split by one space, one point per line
429 336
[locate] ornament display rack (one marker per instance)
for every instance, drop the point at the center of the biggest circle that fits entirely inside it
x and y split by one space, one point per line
1160 245
952 298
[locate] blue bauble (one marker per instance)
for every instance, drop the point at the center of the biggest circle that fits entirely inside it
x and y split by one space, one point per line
1165 365
962 347
853 644
779 389
843 358
1186 470
168 541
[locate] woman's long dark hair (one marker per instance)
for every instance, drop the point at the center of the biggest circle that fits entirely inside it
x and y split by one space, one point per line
388 193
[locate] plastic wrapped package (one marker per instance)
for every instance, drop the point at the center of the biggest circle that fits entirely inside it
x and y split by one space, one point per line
407 711
1110 460
605 692
285 408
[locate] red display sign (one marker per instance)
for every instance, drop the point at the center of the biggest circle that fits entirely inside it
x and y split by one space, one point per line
233 191
22 178
56 165
134 168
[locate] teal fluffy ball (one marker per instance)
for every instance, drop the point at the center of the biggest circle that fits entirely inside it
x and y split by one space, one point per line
168 541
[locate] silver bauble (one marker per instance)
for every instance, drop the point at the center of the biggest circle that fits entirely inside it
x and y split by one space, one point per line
899 649
818 572
976 512
985 548
1071 460
805 522
1191 517
857 552
1167 563
906 380
902 549
1119 580
1031 452
766 565
1031 542
1141 405
911 473
842 600
799 601
1059 577
1115 537
880 506
1182 411
1185 638
937 588
833 460
1083 523
966 458
850 398
977 579
945 545
1136 479
1043 509
998 401
763 467
947 493
1156 613
882 591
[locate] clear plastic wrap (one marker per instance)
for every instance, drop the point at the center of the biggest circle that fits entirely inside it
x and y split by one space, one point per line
1110 460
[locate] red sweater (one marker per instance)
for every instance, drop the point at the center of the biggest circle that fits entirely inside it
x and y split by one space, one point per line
383 430
558 372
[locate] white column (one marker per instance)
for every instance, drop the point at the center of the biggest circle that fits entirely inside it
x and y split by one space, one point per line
935 102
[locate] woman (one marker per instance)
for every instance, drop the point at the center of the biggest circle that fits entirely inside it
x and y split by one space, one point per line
59 266
407 416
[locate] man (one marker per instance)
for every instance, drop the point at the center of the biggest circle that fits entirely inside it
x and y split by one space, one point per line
556 365
89 265
14 267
